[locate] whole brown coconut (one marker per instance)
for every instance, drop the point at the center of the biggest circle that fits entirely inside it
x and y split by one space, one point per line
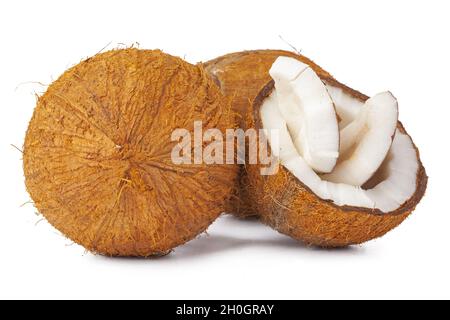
241 76
97 154
286 204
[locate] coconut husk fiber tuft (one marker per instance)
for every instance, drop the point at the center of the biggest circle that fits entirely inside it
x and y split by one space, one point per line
97 153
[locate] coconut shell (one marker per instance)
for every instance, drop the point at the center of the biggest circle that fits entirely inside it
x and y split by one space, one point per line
290 207
97 153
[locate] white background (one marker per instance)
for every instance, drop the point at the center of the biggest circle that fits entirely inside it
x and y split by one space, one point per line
402 46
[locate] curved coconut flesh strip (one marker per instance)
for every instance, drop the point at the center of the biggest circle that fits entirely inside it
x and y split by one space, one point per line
305 104
397 176
366 140
396 179
347 107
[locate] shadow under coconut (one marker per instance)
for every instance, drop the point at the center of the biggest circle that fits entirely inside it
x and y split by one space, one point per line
219 244
229 233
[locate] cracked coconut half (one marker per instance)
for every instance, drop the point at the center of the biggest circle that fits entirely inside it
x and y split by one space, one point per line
377 181
376 178
97 154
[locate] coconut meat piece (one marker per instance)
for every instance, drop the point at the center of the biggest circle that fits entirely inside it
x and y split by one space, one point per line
289 157
377 166
394 183
309 112
366 140
347 107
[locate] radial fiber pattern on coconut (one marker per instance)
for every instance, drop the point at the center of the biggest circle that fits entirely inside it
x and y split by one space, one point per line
97 154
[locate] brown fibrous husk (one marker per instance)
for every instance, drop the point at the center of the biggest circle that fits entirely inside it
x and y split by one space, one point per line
97 153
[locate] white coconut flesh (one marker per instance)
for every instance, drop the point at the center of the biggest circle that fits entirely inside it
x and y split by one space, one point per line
347 107
309 113
372 151
366 140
